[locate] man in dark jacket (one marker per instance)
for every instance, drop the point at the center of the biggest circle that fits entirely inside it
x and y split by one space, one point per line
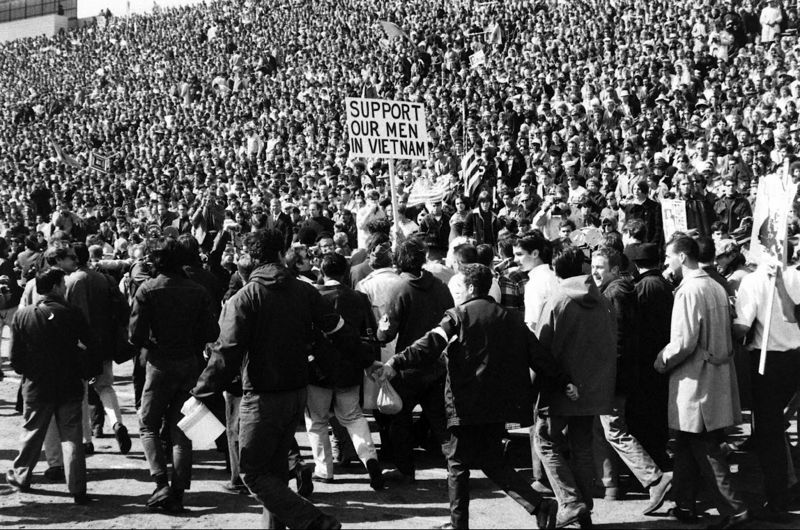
579 328
482 224
172 318
487 385
647 408
649 211
731 208
49 342
606 265
266 331
340 384
417 305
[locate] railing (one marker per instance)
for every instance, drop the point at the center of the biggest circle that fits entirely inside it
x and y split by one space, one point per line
20 9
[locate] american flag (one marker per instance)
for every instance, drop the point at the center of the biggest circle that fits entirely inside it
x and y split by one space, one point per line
471 171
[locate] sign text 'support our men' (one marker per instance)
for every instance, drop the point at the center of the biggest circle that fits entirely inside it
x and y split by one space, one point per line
386 129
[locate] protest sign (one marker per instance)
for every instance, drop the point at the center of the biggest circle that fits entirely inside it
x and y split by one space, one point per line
386 129
477 59
673 216
99 162
426 191
768 238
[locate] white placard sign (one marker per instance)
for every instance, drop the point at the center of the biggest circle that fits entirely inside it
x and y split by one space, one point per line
673 215
380 128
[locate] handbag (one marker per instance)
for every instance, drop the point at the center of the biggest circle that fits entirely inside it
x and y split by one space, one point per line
389 401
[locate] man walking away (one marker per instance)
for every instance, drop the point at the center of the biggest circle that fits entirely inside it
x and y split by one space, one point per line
172 318
579 328
266 331
489 352
703 399
342 387
48 348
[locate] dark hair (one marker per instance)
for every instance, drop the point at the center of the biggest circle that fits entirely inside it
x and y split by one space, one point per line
375 239
410 256
636 229
166 256
506 245
81 253
707 250
682 243
334 265
568 261
614 240
536 241
479 276
46 280
719 226
567 223
265 246
379 226
643 187
190 248
466 253
485 254
57 251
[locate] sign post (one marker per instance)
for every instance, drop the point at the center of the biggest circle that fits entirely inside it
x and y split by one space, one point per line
393 130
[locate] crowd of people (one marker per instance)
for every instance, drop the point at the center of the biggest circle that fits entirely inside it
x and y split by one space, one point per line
176 189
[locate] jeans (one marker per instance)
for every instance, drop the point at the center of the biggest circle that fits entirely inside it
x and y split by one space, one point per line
771 393
571 479
166 389
431 396
267 425
232 404
67 418
699 456
614 434
349 414
480 446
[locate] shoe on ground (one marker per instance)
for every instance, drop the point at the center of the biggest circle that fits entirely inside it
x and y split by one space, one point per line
398 477
324 480
55 474
174 504
684 515
540 487
82 499
240 489
123 439
326 522
547 514
571 513
11 480
446 526
305 486
97 431
88 448
160 497
732 521
658 493
376 481
585 521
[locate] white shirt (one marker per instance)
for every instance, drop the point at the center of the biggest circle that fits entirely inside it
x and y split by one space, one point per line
540 287
751 310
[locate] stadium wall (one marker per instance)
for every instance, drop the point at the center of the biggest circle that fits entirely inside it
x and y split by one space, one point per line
32 27
92 8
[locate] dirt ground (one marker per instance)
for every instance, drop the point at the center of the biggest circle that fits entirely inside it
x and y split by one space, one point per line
121 485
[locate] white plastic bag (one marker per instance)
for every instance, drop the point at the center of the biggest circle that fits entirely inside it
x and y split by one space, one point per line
389 401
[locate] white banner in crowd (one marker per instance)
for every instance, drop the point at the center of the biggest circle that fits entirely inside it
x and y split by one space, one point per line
477 59
673 216
379 128
771 217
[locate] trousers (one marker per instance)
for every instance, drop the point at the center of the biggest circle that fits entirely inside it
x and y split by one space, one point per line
166 388
571 479
699 458
771 393
348 411
611 432
480 446
267 424
67 419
